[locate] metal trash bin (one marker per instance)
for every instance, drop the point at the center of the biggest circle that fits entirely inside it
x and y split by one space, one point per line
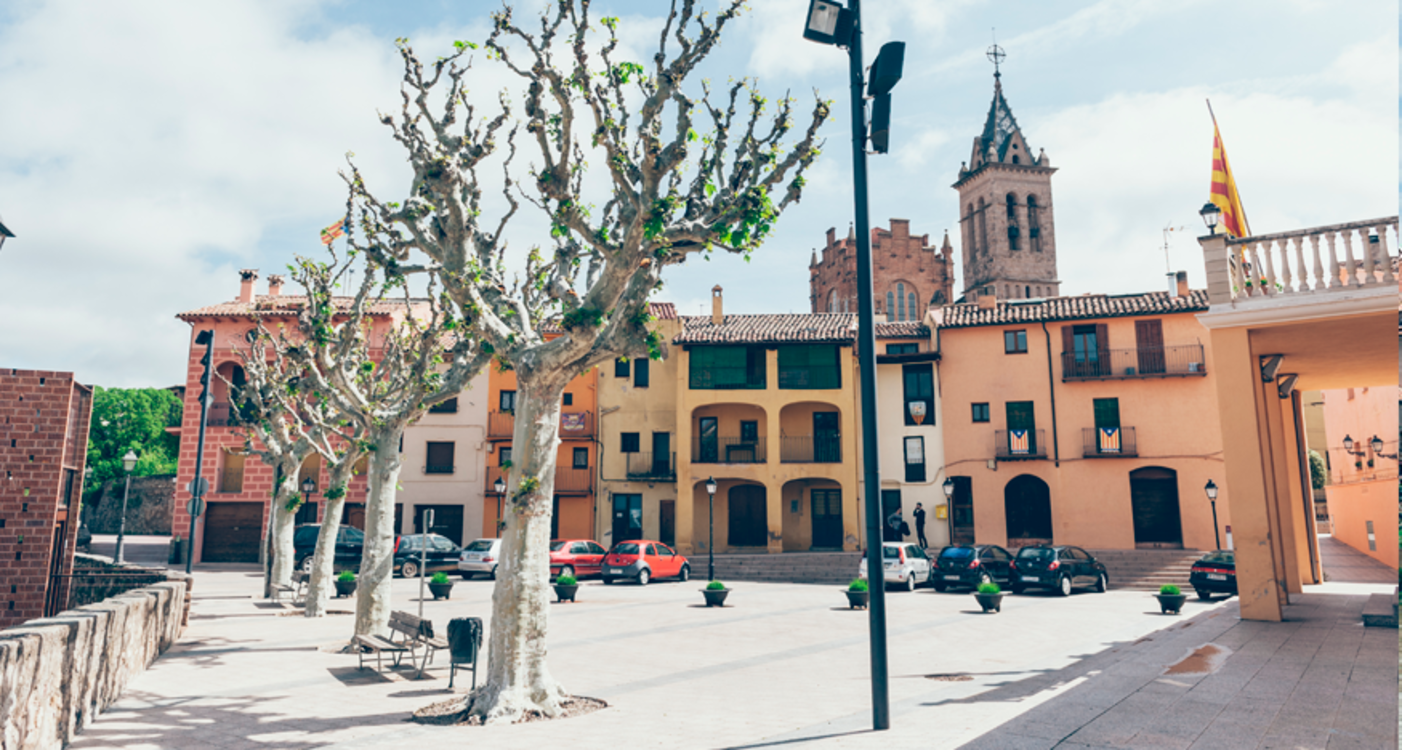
464 641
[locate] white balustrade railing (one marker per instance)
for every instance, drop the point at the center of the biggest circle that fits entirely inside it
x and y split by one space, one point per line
1320 259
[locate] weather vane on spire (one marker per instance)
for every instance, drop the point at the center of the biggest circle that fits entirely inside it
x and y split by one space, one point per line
996 54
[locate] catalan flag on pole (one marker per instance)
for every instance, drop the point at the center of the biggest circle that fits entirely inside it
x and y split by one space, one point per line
1017 442
1223 192
329 234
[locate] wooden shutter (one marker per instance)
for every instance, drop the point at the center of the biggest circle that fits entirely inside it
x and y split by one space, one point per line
1102 346
1068 350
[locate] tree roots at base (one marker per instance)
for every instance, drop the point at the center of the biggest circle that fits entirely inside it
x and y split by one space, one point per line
457 711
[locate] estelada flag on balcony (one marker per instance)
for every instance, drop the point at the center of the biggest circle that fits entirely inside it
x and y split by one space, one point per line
329 234
1017 441
1223 193
1109 439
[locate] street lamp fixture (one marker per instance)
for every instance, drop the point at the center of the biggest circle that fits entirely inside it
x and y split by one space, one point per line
948 488
1211 490
500 487
711 535
128 464
1211 214
308 487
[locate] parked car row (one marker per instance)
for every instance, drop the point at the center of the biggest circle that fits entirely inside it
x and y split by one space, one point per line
433 551
1058 568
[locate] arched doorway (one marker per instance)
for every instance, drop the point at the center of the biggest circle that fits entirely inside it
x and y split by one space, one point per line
1153 494
748 516
1027 506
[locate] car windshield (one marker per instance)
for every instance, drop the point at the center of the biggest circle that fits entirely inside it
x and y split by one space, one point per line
956 552
351 535
891 553
1036 553
557 546
626 549
481 545
1220 556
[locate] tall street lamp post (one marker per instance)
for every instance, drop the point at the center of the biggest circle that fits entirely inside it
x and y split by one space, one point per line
500 487
308 489
1211 490
711 535
128 463
829 22
199 485
948 488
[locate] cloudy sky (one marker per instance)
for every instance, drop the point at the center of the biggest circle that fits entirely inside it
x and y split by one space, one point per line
149 150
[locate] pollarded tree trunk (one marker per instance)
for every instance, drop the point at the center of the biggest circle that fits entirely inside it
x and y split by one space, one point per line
284 555
372 601
517 676
319 584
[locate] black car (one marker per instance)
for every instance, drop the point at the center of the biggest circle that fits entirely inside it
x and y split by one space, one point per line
1214 573
350 541
1057 568
969 565
434 551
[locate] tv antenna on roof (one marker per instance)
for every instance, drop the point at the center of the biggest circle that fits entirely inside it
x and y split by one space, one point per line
1167 264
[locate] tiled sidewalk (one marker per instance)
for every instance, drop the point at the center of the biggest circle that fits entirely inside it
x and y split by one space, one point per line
1317 680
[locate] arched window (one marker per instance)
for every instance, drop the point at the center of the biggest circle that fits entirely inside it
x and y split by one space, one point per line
969 229
832 301
1011 201
911 300
1028 292
982 224
890 305
900 301
1034 231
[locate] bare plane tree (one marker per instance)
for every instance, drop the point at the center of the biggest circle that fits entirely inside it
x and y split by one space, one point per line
670 192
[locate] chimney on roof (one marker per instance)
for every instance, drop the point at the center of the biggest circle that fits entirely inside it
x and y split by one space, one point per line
247 277
717 306
275 285
1182 278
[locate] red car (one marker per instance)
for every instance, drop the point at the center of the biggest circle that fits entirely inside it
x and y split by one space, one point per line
575 557
643 560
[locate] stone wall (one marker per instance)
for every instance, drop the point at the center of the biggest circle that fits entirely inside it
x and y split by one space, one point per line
148 509
57 673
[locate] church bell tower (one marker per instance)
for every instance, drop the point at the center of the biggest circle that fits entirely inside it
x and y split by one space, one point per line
1005 209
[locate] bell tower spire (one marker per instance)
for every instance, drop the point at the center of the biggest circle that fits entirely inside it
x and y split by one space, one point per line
1009 245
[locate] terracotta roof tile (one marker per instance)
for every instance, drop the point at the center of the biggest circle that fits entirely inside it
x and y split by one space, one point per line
284 304
902 330
663 310
1084 307
837 328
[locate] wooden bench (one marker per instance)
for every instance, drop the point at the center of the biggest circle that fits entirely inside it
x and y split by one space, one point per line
415 633
297 590
379 646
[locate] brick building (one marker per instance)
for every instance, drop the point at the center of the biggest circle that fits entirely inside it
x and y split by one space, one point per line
908 274
44 420
1008 238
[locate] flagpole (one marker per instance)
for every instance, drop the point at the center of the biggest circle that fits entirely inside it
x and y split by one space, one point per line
1217 131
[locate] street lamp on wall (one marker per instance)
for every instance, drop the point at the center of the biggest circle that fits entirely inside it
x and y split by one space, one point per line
1210 215
1377 445
128 464
1211 490
711 535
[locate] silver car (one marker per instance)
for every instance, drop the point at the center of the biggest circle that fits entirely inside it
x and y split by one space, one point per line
480 556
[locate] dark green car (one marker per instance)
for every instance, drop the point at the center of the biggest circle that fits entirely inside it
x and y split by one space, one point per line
1059 568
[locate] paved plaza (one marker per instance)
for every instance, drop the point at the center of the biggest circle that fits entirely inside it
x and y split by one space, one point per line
786 665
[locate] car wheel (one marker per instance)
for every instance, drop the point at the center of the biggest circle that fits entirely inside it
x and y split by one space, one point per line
566 571
1063 587
1204 595
467 576
409 569
910 582
685 574
644 576
307 564
1102 583
607 581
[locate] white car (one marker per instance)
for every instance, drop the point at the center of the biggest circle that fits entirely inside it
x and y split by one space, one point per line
905 564
481 556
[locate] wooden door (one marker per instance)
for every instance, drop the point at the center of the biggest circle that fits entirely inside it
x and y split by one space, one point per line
1148 335
1153 494
962 511
748 516
827 444
232 532
827 518
353 514
667 522
710 441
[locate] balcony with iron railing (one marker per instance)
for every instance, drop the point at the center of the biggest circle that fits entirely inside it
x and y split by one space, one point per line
1109 442
728 450
1302 264
809 449
726 378
573 424
446 468
1140 362
648 466
1020 445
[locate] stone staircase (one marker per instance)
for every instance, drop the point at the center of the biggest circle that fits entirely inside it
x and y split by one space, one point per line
1148 569
791 567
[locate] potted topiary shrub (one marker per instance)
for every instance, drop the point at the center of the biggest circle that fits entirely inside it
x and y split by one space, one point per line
990 597
345 583
1170 599
440 585
715 593
565 586
858 594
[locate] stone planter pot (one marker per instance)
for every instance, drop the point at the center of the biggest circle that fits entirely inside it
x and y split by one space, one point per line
715 597
565 593
440 590
857 599
1171 604
990 602
345 588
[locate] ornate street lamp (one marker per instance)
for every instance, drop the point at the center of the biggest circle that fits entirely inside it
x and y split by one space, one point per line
948 488
308 489
128 463
500 487
1211 490
711 535
1210 215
